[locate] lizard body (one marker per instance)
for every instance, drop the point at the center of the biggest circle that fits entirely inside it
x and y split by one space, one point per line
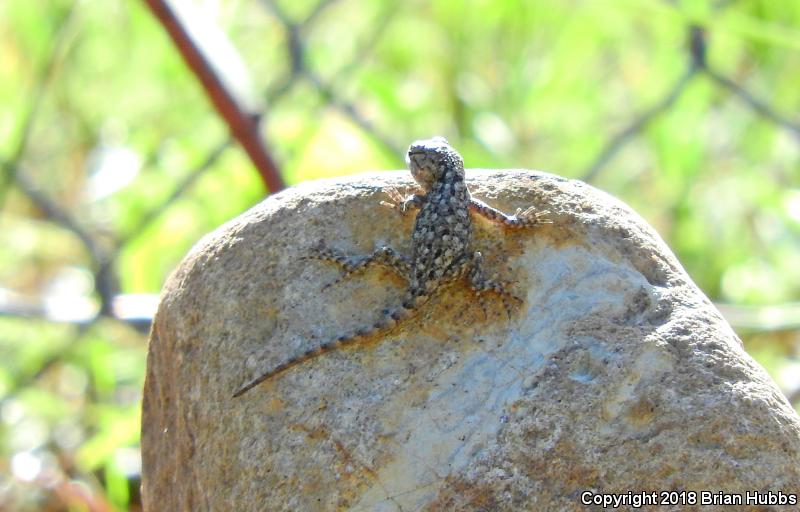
441 245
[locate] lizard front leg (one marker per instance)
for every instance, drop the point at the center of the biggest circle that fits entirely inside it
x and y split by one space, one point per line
403 204
521 218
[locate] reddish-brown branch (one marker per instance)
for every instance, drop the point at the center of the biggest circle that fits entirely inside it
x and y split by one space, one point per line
243 125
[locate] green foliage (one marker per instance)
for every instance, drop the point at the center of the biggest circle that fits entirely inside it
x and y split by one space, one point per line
515 83
73 392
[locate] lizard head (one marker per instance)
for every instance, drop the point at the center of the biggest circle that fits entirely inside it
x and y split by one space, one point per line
432 160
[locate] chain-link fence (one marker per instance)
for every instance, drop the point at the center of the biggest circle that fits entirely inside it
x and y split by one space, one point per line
306 84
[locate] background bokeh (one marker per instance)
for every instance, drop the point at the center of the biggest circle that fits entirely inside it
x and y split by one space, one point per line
114 162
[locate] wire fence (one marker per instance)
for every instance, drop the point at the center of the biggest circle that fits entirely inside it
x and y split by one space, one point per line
244 125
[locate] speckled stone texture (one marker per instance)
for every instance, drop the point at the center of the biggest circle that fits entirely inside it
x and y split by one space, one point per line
616 374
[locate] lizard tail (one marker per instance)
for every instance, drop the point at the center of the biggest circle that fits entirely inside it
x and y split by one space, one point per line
388 320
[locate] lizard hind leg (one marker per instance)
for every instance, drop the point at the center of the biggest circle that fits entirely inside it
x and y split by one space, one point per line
482 302
480 284
385 256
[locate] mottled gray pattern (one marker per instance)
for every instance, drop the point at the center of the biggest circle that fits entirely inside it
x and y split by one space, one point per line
443 228
441 244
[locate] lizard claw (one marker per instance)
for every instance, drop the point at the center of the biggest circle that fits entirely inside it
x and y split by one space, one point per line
532 217
400 203
396 199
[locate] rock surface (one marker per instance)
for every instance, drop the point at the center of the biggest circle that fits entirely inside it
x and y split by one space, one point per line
615 375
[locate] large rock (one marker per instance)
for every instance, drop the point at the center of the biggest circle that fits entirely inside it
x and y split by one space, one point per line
615 375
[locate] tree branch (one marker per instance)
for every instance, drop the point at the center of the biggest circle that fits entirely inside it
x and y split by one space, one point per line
244 126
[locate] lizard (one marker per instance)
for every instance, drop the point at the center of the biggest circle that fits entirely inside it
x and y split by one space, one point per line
441 243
